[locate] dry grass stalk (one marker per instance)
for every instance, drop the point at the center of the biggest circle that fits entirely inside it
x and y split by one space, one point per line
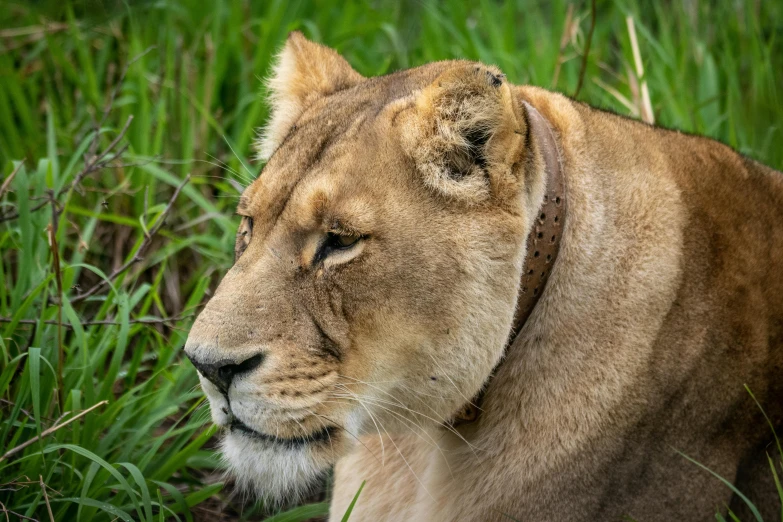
46 498
51 430
9 179
569 28
645 107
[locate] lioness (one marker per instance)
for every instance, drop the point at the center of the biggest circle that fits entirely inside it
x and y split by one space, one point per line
381 256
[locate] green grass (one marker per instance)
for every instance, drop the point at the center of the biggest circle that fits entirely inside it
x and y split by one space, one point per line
192 86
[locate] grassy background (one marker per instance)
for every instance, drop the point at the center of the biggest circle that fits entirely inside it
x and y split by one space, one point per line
92 238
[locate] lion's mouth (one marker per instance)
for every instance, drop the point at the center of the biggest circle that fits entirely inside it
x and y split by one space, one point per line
317 437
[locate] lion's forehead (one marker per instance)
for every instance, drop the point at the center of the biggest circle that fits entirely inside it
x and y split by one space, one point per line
340 121
341 145
339 148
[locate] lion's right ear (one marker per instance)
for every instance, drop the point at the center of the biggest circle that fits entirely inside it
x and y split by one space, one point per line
304 72
466 134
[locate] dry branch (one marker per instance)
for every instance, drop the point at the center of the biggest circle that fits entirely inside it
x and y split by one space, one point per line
91 165
46 498
137 255
93 160
113 96
53 226
589 41
105 322
9 179
568 29
6 511
51 430
34 30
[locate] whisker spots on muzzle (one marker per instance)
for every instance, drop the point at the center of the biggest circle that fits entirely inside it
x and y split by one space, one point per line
298 376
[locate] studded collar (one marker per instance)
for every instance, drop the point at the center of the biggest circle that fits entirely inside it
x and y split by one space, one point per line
543 246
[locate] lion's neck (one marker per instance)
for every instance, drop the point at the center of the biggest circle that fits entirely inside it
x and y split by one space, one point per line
587 342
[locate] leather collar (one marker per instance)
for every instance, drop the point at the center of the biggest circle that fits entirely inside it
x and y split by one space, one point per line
543 246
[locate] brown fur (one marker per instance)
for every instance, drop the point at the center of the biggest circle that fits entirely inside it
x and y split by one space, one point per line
666 298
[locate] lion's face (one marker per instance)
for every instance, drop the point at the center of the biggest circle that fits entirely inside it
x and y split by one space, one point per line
377 263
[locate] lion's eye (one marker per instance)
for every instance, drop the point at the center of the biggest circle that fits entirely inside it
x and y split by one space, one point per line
341 241
335 242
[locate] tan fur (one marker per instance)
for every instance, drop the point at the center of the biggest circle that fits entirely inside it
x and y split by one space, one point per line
666 298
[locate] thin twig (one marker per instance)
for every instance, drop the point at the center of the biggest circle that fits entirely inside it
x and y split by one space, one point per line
55 224
46 498
137 255
94 161
53 27
26 483
15 215
9 217
564 39
9 179
113 96
91 165
115 156
106 322
27 413
583 69
115 141
21 517
32 418
633 109
51 430
5 187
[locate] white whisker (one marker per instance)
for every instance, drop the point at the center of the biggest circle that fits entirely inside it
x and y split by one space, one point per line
383 452
399 403
432 441
410 468
380 438
237 156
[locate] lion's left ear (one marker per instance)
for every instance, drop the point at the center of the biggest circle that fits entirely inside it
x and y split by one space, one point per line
304 72
466 134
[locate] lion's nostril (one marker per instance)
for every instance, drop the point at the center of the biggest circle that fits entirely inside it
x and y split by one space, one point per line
249 365
226 374
223 372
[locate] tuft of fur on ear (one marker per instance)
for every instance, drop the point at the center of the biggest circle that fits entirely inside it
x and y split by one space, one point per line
467 133
304 71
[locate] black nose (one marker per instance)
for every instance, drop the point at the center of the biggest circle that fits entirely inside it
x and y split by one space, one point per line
221 373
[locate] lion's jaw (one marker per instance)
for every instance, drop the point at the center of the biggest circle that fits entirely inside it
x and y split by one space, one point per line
378 263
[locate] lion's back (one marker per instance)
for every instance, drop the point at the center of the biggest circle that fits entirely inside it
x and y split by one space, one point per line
724 331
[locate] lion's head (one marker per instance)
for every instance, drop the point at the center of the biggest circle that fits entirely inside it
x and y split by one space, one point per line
377 262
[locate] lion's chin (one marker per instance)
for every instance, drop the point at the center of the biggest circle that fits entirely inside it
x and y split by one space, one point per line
278 474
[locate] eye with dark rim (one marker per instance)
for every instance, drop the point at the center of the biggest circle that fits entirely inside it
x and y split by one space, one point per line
335 242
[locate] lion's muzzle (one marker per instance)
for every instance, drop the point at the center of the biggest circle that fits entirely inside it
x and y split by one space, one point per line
280 434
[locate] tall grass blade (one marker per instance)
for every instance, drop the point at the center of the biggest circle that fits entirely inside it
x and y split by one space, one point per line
731 486
348 511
